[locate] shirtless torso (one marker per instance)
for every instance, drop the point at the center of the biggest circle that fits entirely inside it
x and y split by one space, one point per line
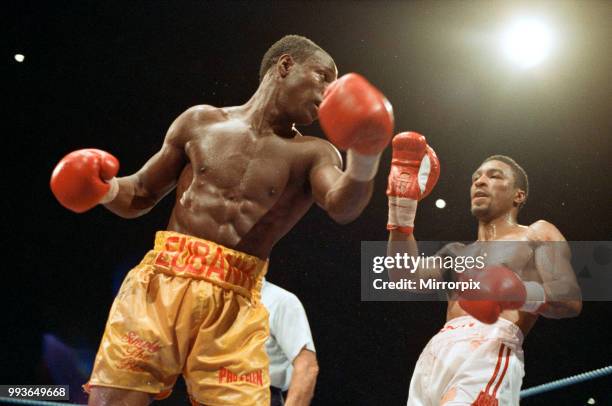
512 251
526 250
243 177
243 188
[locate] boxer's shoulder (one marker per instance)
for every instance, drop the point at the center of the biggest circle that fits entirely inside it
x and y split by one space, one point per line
312 142
189 124
204 114
453 249
543 230
197 116
318 149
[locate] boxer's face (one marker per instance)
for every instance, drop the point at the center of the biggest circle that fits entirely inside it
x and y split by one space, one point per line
493 192
303 87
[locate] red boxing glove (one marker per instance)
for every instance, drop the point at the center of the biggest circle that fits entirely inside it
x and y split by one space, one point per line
499 289
415 170
78 180
356 115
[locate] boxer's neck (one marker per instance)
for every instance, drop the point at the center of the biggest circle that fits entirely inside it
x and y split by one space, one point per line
262 110
489 230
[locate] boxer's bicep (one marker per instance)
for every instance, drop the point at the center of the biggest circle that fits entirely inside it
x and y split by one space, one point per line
552 261
324 173
322 180
552 254
340 195
158 176
138 193
552 257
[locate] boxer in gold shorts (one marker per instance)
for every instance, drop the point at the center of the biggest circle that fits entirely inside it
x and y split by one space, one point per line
192 307
244 176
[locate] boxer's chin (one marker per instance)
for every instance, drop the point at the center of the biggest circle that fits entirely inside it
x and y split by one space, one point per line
479 211
306 119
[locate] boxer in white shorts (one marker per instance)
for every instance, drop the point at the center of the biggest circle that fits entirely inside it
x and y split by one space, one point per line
477 358
462 357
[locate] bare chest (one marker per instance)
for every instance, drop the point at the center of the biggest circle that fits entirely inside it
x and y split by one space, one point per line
238 165
516 255
231 163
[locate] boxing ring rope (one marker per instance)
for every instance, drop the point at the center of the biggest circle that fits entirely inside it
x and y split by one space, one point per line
535 390
571 380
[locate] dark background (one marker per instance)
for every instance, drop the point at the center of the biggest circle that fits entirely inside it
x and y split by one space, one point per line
113 75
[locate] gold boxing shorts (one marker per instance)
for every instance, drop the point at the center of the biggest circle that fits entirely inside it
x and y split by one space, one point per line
191 307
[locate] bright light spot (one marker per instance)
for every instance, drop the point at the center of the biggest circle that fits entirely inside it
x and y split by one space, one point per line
440 204
591 401
19 57
527 42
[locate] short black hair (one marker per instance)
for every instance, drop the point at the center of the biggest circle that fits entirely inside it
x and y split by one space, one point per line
299 47
521 180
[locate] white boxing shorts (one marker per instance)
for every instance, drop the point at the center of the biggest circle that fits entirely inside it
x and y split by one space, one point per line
470 363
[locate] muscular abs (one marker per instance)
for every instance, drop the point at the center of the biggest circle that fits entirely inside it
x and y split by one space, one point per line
241 189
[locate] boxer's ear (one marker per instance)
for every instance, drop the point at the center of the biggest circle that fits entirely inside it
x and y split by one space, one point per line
519 197
284 65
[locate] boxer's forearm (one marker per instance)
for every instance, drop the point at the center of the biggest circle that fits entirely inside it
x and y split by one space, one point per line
131 200
400 244
345 201
303 380
561 310
563 300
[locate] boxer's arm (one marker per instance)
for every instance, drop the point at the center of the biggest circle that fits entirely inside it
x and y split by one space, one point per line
140 192
552 260
401 243
357 118
339 194
303 378
415 169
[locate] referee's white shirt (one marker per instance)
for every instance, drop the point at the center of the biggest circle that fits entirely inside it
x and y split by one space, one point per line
289 332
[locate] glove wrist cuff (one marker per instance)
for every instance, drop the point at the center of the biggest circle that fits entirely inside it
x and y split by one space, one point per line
536 297
112 191
361 168
402 212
